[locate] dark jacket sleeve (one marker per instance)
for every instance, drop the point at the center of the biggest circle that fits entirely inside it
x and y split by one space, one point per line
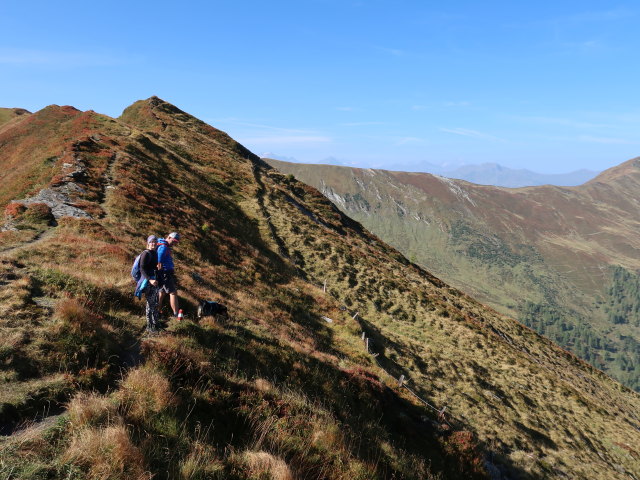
148 264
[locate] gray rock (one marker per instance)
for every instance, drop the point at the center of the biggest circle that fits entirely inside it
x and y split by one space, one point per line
58 200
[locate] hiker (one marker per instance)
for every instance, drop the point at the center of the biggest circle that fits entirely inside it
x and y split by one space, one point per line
149 284
166 273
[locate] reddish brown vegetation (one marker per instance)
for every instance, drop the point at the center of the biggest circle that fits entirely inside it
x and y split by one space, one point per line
38 213
14 210
463 447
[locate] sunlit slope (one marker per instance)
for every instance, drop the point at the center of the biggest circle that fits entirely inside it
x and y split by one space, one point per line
560 259
285 387
9 115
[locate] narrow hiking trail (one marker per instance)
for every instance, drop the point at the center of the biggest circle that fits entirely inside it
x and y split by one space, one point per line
38 238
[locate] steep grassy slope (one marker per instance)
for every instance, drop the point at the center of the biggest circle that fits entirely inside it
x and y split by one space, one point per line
553 257
9 115
285 387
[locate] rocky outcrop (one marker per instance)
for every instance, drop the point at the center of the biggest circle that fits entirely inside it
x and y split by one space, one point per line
59 200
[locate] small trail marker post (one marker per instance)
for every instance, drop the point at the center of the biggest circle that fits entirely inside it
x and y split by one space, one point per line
441 413
401 381
324 288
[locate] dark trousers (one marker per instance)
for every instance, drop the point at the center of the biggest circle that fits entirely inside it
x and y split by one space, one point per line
152 311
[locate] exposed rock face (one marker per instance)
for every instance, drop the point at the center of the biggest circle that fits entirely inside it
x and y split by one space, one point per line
60 197
59 200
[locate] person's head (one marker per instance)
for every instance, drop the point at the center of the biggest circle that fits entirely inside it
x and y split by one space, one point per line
173 238
152 242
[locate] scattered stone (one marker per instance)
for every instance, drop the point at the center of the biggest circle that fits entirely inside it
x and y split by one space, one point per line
45 302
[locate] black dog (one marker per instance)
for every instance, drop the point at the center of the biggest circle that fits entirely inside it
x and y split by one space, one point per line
212 309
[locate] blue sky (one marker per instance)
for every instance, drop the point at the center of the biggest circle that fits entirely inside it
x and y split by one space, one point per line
549 86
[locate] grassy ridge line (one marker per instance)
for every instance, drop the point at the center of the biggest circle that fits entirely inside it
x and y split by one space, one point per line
276 333
8 116
278 389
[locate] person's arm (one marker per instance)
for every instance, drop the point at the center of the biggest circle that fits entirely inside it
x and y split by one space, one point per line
145 272
161 255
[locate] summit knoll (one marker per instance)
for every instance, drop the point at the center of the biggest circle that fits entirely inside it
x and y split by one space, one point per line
341 359
562 260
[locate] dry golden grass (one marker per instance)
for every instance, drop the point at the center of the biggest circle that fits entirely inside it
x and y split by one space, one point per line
14 296
263 385
106 454
145 392
72 314
201 463
327 436
23 390
90 409
11 339
265 465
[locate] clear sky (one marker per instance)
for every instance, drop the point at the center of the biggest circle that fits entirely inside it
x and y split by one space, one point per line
552 86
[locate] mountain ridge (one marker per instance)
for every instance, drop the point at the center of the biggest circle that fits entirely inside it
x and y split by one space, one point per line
492 174
498 175
281 388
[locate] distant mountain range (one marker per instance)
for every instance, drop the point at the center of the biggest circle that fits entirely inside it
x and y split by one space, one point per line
562 260
481 174
495 174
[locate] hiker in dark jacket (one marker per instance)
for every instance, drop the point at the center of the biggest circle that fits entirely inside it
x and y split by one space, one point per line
148 273
166 272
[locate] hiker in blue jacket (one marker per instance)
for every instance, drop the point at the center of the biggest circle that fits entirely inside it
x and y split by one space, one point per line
166 272
149 285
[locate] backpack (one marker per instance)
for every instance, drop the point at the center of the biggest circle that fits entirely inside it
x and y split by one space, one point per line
135 269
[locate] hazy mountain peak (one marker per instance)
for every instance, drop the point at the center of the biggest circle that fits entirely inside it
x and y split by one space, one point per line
501 176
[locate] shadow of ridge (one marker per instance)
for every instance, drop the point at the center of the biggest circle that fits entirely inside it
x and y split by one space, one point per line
378 344
497 463
366 409
231 219
362 406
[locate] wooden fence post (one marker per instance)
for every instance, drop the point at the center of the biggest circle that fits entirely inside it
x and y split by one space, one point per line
401 381
441 413
324 288
356 315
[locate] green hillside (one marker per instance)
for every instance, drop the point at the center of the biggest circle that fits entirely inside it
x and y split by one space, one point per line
8 114
552 257
341 359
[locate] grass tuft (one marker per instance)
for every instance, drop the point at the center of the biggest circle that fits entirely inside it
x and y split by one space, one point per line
201 463
145 392
75 317
265 465
106 454
90 409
